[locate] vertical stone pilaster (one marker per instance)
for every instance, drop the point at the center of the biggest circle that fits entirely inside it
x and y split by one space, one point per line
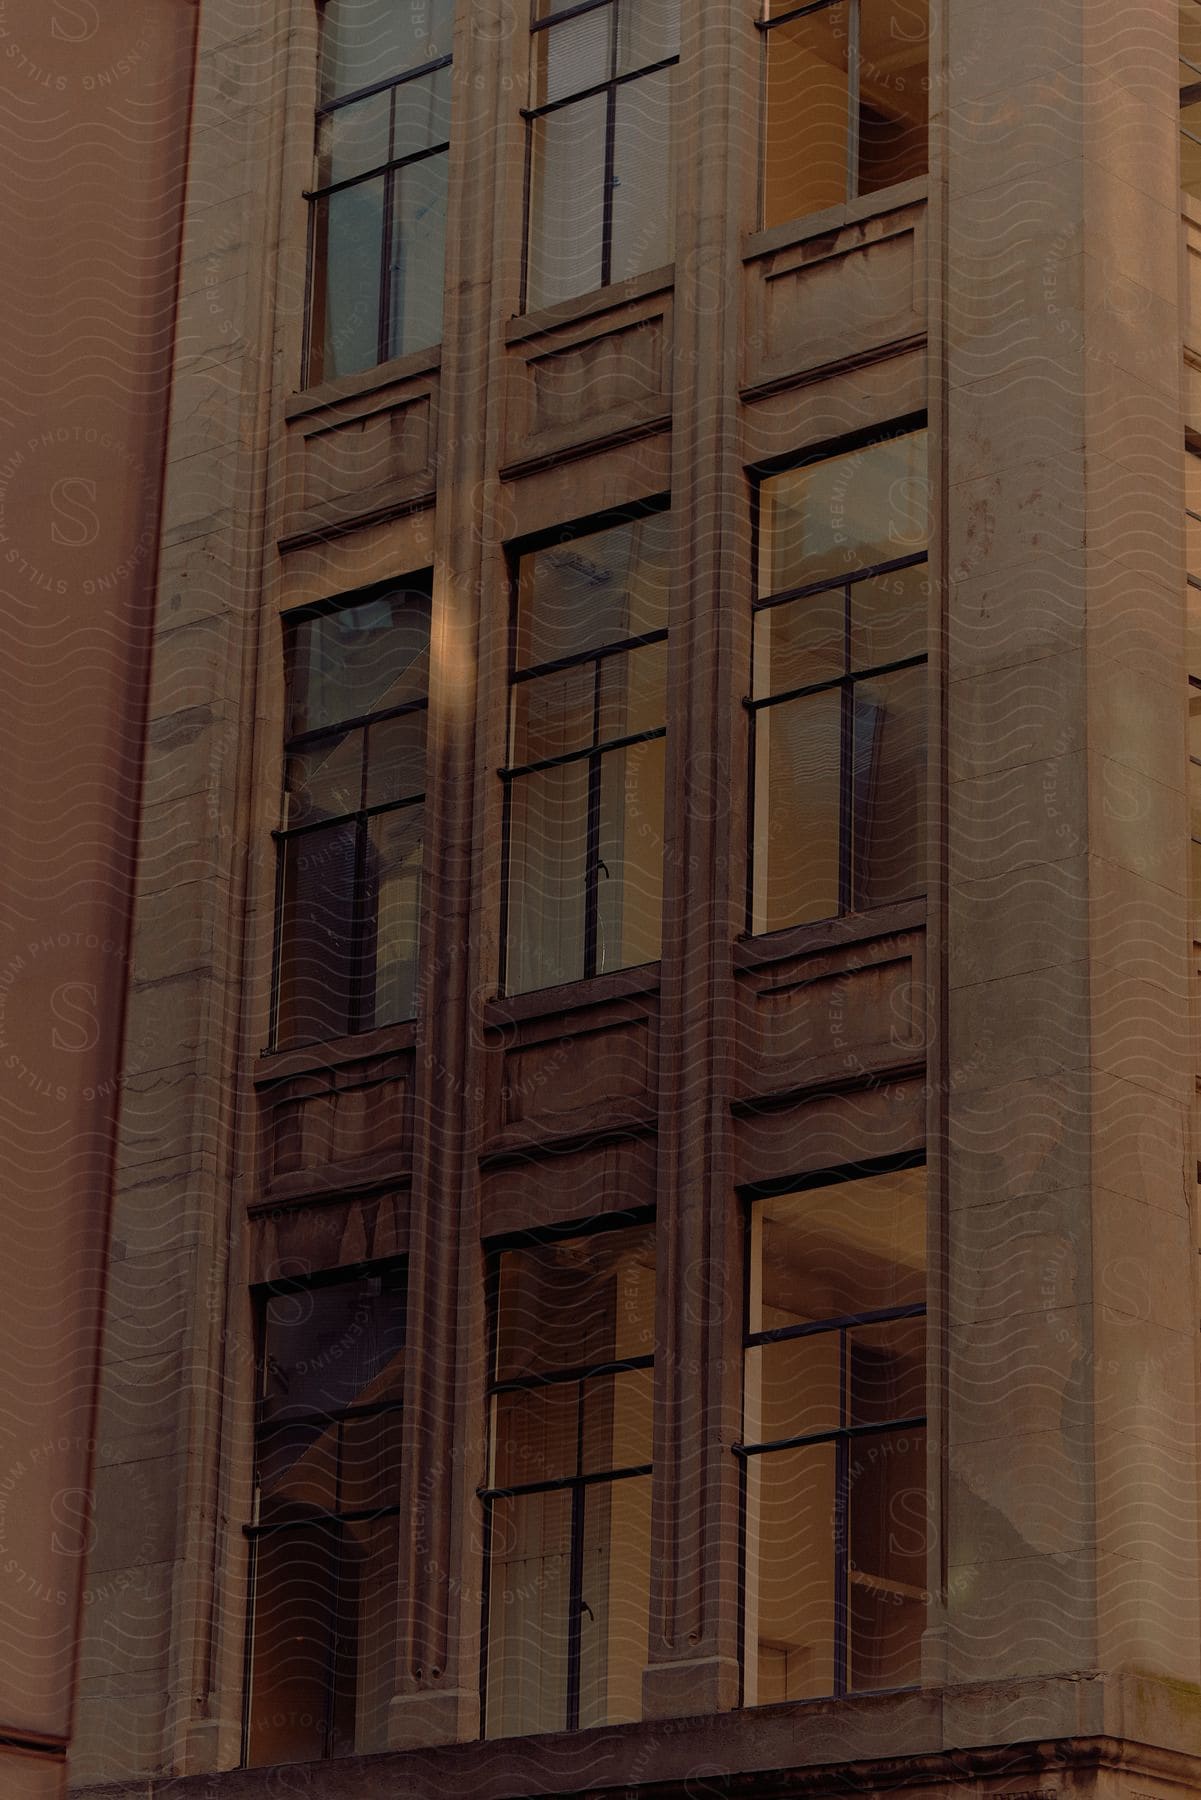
437 1699
693 1638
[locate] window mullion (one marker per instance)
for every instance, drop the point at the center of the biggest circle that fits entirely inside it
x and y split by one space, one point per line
384 325
592 862
575 1607
846 797
606 271
854 57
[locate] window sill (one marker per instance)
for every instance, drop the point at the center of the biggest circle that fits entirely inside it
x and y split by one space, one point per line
570 996
366 381
334 1053
816 935
586 306
819 224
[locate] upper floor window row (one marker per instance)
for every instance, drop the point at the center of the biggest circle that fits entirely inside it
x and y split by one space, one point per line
843 114
837 739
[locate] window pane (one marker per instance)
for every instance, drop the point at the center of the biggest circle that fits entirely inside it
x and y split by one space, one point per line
888 802
847 512
547 877
806 126
790 1528
325 782
596 589
1190 148
1192 501
358 659
797 811
365 1651
633 694
889 617
370 1452
354 139
886 1371
846 1247
566 219
395 842
529 1576
800 644
418 255
364 41
629 904
618 1421
581 1301
396 758
422 113
317 935
642 176
892 92
887 1512
615 1582
574 55
554 715
297 1470
1190 30
348 235
295 1601
647 31
793 1388
327 1347
535 1434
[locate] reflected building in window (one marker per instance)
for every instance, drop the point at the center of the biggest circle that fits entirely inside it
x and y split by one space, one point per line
655 1198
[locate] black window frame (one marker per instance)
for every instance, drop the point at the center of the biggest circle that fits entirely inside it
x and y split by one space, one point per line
386 1268
845 683
843 1435
576 1484
1190 90
531 114
593 754
764 26
297 743
388 170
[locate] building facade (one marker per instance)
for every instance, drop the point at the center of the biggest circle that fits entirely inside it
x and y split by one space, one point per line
655 1239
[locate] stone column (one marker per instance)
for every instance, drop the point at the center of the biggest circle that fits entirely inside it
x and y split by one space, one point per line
437 1698
1071 1455
693 1638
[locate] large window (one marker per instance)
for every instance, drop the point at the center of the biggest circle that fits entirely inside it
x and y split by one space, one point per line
325 1535
1190 97
350 851
845 101
599 144
568 1502
379 207
834 1446
584 786
839 685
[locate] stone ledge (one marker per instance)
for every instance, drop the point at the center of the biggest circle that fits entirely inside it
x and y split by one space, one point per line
870 1745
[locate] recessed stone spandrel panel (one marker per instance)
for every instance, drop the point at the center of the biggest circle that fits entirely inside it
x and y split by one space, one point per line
298 1240
554 1188
836 297
872 1118
325 1127
554 1076
357 458
606 378
834 1015
366 452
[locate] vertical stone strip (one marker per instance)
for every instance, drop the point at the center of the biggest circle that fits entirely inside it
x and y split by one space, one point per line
438 1689
693 1640
1071 1448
